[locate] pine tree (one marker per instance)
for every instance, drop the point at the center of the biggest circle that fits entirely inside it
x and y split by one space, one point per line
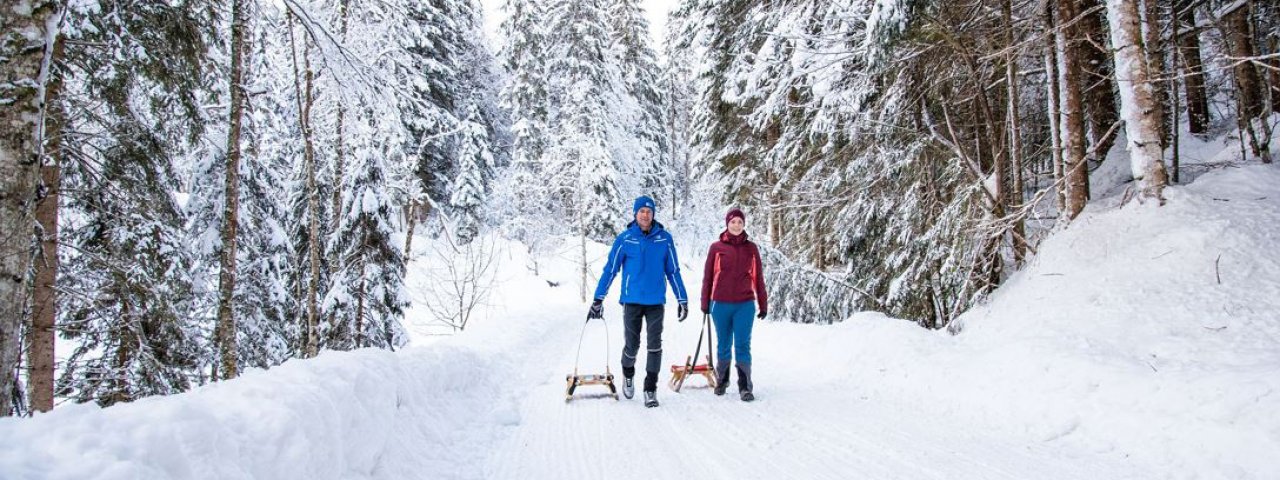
524 98
130 269
433 43
640 144
268 333
578 164
366 297
474 160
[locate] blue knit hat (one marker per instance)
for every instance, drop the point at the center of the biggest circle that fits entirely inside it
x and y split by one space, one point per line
642 202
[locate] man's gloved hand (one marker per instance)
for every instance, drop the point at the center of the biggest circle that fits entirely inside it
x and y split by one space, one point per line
762 314
597 309
682 312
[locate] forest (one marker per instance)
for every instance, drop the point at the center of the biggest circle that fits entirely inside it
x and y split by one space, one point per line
190 189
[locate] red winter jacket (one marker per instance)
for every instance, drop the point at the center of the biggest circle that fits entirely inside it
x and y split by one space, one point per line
733 273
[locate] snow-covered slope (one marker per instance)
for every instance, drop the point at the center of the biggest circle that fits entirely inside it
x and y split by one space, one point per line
1141 342
1149 332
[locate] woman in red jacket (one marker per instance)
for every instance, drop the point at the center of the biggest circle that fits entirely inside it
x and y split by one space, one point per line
732 285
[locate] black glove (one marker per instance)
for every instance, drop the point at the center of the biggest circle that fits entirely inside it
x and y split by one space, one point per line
597 309
682 312
762 314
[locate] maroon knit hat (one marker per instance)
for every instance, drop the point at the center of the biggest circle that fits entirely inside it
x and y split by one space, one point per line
734 213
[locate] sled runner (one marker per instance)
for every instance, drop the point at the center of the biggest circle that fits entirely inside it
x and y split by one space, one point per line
691 367
575 380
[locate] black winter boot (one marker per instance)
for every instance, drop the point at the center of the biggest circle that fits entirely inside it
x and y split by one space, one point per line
744 382
722 377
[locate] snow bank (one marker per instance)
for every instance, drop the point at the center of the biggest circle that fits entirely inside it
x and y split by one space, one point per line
335 416
1148 332
370 413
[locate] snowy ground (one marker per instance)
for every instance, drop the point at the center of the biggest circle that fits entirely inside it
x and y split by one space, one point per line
1141 342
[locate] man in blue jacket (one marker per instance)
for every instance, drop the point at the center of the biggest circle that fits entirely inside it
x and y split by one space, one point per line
646 255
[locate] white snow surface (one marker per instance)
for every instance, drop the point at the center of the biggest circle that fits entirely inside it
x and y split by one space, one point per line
1141 342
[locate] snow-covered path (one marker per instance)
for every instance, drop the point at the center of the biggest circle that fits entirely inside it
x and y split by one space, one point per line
812 418
802 426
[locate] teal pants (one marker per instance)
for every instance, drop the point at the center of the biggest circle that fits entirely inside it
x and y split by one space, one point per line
733 330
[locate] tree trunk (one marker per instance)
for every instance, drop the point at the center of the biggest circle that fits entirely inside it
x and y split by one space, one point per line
339 164
1137 97
360 294
1248 84
303 95
1099 83
412 222
1073 152
23 66
1055 100
1193 68
1273 74
583 286
1153 46
231 211
44 310
1014 197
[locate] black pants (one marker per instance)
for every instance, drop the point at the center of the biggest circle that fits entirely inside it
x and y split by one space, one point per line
652 320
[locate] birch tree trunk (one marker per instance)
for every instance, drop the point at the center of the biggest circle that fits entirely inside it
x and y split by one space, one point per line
1193 67
24 63
1072 126
44 310
1138 104
339 164
1015 137
231 212
302 87
1054 100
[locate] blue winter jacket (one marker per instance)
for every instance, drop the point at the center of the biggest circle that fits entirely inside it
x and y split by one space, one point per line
644 260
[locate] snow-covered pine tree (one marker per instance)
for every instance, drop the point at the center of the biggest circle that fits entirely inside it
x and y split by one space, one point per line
366 298
639 142
525 93
577 164
721 35
469 191
522 189
129 271
678 85
268 332
433 42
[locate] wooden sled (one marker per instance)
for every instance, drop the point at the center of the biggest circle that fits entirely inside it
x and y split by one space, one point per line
680 372
574 380
691 367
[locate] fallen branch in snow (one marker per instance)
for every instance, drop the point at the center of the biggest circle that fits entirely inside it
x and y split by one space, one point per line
1216 329
1216 272
1162 254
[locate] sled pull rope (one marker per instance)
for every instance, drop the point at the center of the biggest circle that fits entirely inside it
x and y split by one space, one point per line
607 347
706 321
